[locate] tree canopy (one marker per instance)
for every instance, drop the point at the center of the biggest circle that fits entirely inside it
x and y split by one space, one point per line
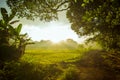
42 9
100 18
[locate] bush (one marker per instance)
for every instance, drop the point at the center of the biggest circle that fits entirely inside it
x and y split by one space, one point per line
28 71
8 53
71 74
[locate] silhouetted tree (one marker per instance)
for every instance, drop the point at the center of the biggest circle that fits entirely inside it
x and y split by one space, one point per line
8 32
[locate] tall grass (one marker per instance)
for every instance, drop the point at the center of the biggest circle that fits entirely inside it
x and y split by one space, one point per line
71 73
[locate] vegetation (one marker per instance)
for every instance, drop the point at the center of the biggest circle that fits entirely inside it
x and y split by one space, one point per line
98 19
45 64
101 20
12 43
68 60
40 9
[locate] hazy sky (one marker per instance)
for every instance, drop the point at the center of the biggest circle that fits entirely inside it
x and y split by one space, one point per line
54 30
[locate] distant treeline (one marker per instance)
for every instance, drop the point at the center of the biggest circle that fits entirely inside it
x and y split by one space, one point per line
68 44
47 44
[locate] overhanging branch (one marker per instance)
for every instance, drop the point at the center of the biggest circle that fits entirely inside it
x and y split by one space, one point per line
61 4
63 9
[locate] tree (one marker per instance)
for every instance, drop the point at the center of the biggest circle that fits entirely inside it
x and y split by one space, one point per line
99 18
4 26
40 9
10 37
23 41
88 17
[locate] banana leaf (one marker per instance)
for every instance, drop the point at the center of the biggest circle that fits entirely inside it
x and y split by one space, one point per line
18 29
12 15
12 30
4 14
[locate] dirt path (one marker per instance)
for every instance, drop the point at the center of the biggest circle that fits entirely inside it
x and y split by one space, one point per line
92 67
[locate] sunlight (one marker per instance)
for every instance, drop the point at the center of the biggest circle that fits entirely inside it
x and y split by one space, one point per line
54 31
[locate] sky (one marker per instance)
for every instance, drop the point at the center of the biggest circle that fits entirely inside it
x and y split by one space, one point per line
53 30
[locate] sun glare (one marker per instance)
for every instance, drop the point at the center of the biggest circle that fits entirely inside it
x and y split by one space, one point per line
53 31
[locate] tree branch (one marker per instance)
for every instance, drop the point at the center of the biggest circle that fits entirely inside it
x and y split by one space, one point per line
63 9
61 4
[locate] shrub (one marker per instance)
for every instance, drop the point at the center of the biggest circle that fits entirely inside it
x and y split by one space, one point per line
71 73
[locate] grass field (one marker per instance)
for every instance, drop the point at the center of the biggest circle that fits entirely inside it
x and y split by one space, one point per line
52 54
50 57
59 64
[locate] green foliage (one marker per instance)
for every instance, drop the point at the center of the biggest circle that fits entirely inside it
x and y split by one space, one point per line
53 53
18 29
87 18
28 71
71 73
52 65
11 50
40 9
98 18
4 14
50 57
6 29
101 20
8 53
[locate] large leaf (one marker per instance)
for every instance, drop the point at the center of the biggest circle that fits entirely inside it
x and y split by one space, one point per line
12 15
18 29
3 25
12 30
14 21
4 14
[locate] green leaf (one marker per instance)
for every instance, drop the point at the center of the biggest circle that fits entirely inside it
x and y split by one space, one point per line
12 30
3 24
83 4
18 29
75 0
12 15
4 14
86 1
14 21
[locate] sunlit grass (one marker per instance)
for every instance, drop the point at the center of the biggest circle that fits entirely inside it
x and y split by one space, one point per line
53 56
53 63
49 57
